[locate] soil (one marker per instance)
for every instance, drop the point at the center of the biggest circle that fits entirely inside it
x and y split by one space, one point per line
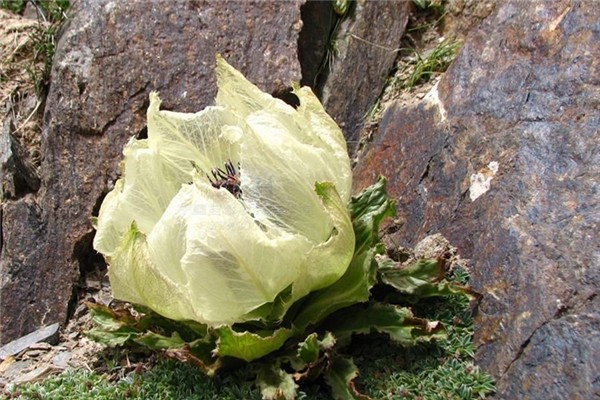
21 106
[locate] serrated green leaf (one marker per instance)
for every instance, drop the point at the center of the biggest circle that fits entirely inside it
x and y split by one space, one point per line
111 328
246 345
368 209
311 349
107 319
200 359
148 320
275 383
424 278
353 287
312 356
111 338
340 376
397 322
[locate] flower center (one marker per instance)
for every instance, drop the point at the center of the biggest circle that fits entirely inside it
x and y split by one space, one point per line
228 179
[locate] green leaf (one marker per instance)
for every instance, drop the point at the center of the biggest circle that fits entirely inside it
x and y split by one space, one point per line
198 352
424 278
115 327
112 328
275 383
188 330
108 319
309 349
353 287
200 359
160 342
310 359
246 345
397 322
340 376
368 209
114 338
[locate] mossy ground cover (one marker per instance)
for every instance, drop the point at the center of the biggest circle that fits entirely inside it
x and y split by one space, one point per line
442 370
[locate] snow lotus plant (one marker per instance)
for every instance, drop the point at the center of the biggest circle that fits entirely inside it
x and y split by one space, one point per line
233 234
220 212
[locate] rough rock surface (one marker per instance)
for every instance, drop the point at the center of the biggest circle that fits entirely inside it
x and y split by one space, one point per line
18 175
366 46
110 56
45 334
318 18
504 160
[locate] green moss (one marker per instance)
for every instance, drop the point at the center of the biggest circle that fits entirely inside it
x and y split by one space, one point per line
442 370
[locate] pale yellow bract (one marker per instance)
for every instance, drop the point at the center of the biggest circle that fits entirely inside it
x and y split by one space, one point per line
191 251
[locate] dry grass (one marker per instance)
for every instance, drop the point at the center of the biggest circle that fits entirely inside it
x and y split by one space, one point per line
20 101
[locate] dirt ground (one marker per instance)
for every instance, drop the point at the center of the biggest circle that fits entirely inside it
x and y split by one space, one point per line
20 107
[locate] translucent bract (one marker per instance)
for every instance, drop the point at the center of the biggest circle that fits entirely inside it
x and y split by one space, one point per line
191 251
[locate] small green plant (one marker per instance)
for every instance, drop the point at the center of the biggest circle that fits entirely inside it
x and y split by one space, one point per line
15 6
420 68
436 5
341 11
50 16
431 371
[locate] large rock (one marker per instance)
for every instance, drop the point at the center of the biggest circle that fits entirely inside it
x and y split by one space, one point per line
110 56
319 19
504 160
362 54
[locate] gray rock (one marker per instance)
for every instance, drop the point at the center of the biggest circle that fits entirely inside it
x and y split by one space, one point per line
366 46
47 333
24 254
570 364
318 20
15 370
523 93
109 57
61 359
17 175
